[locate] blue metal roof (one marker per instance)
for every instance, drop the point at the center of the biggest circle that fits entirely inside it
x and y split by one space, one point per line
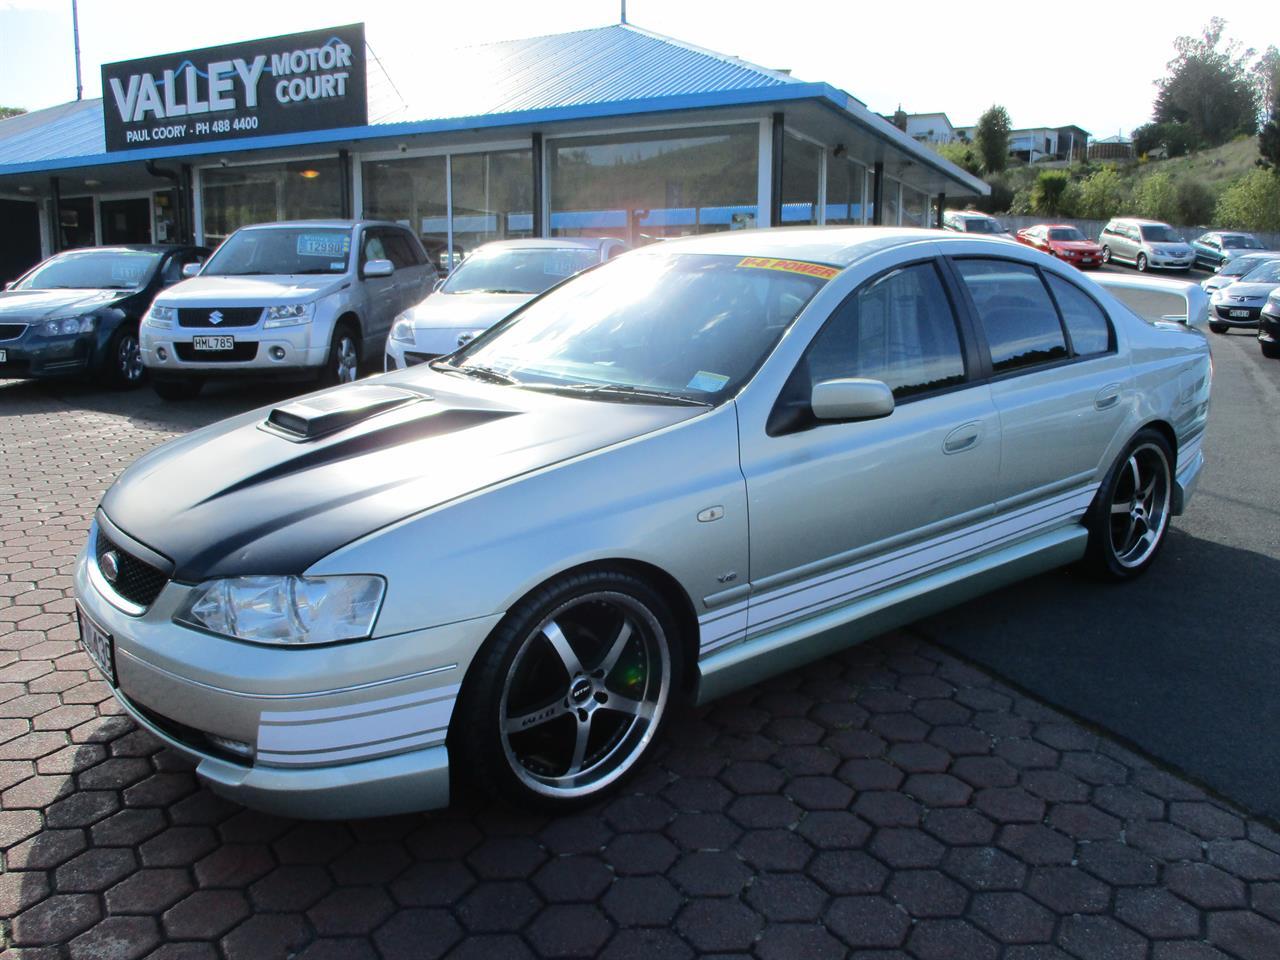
618 70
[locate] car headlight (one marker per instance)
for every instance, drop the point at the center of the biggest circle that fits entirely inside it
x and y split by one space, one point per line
287 611
68 326
1217 296
161 317
289 315
403 330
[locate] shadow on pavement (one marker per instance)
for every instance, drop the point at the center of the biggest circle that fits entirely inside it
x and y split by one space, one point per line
1181 661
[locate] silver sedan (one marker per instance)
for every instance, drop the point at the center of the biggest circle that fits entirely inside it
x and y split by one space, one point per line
704 463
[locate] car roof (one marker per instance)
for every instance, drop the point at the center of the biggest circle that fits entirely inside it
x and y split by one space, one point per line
1140 221
336 224
975 214
838 246
554 243
135 247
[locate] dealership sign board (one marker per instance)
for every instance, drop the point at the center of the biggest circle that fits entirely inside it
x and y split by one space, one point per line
289 84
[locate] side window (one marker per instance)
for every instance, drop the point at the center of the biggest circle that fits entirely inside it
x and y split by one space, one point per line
899 328
1086 323
373 248
1014 308
398 252
171 272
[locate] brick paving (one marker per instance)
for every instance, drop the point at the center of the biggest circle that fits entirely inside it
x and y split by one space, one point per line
888 802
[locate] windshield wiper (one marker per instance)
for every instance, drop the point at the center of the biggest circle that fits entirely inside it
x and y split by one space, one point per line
620 391
480 373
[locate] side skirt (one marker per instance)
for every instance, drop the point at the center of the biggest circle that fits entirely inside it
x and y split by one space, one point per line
794 645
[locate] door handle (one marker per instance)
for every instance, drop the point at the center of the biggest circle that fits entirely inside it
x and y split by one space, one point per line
964 437
1108 396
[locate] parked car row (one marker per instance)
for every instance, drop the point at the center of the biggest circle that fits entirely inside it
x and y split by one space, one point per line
304 300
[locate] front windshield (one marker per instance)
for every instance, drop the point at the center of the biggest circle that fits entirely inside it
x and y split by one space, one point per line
1240 242
980 225
1242 265
92 270
281 251
1268 272
518 270
691 327
1161 234
1065 233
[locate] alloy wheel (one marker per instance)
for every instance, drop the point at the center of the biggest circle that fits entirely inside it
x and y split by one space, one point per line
584 695
129 359
346 359
1140 505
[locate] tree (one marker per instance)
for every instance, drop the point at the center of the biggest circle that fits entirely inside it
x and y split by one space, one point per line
1176 138
1101 195
7 112
1157 198
1269 137
1251 202
1195 203
991 139
962 155
1048 191
1209 89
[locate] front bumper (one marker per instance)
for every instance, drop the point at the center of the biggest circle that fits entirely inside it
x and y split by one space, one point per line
344 730
1269 327
1222 314
34 355
1169 263
428 343
170 352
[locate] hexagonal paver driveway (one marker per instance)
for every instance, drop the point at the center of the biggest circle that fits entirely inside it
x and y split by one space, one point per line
888 802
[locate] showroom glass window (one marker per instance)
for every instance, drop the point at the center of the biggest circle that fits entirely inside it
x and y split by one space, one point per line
915 208
235 197
643 187
1017 315
801 163
492 198
892 203
899 328
845 183
412 191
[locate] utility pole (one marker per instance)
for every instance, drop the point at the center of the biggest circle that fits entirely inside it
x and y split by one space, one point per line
75 31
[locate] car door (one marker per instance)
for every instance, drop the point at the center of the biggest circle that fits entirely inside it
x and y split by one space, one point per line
382 294
840 511
412 272
1058 381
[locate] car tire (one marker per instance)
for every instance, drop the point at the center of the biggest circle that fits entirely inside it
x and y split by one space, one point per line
122 367
178 390
1106 254
1270 350
1217 327
1141 263
1129 518
538 720
343 363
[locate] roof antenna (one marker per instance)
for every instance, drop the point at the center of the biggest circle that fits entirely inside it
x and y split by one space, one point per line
624 11
75 31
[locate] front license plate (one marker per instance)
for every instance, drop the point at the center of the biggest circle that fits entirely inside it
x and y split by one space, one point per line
1238 313
97 643
4 356
213 343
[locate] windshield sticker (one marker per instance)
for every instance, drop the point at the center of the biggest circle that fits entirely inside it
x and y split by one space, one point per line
561 263
816 270
129 272
708 382
327 245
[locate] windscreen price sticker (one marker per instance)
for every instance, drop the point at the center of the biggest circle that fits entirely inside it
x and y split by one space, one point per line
327 245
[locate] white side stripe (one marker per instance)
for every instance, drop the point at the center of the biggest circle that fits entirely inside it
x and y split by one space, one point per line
845 584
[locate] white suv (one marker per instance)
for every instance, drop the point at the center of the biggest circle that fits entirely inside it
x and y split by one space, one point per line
300 300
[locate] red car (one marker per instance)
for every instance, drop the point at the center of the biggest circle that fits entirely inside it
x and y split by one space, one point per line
1063 241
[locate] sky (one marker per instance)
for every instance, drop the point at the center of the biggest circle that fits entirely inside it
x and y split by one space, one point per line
1048 66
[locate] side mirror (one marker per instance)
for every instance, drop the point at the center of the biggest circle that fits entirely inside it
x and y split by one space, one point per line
379 268
191 269
851 399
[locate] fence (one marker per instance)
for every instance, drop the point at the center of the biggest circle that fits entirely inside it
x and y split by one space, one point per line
1091 228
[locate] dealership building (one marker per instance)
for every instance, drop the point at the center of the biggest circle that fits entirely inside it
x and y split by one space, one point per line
615 131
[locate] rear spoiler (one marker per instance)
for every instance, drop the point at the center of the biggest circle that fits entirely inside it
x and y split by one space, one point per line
1158 299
